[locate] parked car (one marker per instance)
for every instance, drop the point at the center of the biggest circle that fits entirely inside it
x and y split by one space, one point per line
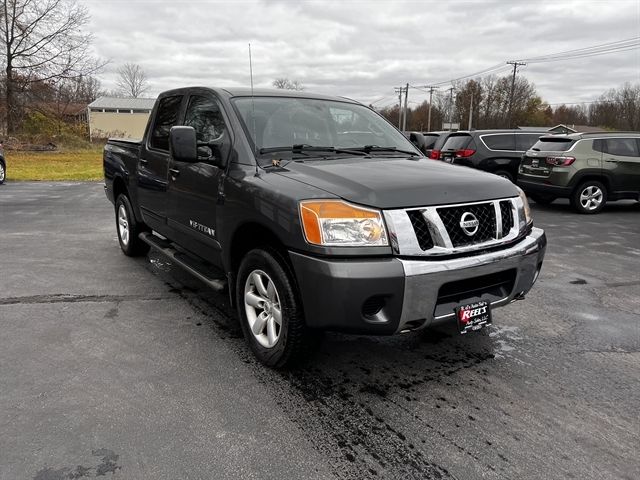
3 164
417 138
310 227
434 153
589 169
430 139
494 151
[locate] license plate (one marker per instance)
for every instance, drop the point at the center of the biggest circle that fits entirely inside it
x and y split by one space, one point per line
448 159
473 316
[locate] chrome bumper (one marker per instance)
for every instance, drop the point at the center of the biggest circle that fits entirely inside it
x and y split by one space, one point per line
423 279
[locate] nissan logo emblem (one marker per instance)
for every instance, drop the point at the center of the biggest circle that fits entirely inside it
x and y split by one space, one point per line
469 223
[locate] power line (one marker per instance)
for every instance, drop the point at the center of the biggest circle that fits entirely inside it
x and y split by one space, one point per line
601 49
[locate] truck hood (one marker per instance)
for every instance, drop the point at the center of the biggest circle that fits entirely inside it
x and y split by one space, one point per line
388 183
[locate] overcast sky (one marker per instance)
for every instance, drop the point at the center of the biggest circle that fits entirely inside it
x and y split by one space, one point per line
363 49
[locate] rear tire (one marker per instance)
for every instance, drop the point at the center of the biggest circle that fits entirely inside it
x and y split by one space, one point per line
504 174
3 172
542 199
589 198
128 229
270 309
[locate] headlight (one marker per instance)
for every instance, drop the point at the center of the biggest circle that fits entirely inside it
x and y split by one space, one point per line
336 223
527 209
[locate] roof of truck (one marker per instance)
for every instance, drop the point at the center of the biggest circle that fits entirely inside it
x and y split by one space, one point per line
260 92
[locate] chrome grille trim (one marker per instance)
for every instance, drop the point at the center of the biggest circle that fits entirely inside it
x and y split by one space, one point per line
405 243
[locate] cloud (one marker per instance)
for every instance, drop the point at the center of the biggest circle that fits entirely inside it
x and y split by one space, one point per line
363 49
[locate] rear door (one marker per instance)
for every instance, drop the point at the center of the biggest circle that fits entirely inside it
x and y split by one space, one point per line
196 189
153 164
622 162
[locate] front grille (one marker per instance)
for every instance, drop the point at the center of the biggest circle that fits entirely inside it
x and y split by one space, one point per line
484 212
507 216
421 228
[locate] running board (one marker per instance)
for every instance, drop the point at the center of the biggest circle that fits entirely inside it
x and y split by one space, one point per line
209 276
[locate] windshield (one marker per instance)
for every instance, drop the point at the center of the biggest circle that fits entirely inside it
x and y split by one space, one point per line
272 122
456 142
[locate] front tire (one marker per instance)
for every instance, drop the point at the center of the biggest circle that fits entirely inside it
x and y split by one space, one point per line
270 309
589 198
3 172
128 229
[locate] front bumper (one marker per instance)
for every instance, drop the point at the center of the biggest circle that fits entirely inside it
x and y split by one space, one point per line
411 294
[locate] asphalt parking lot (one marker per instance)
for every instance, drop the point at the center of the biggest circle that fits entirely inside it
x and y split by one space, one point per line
128 368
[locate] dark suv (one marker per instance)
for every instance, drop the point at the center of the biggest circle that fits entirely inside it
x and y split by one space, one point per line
588 168
495 151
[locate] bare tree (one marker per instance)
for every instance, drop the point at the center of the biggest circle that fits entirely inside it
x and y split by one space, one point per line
286 84
42 40
132 81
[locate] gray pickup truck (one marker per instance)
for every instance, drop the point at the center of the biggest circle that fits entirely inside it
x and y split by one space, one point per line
317 214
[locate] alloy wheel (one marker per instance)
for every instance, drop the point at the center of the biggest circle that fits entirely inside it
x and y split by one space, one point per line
263 308
123 224
591 197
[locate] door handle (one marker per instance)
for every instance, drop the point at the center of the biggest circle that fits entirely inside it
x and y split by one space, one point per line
174 172
143 161
611 160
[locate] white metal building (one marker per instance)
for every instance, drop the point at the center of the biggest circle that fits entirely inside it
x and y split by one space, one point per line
118 117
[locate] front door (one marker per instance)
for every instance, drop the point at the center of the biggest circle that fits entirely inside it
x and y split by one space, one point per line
153 164
196 189
622 161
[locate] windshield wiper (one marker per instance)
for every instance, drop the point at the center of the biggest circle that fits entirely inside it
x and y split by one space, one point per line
304 148
376 148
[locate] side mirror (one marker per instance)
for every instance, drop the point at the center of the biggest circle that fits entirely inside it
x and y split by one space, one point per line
182 144
212 151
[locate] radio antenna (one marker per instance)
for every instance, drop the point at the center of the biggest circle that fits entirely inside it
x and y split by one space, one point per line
253 114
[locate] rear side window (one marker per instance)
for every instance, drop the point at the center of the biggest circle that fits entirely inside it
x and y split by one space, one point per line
624 147
166 117
558 144
500 142
525 141
457 142
599 145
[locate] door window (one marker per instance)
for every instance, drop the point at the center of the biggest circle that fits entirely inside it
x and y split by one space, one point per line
166 117
624 147
204 115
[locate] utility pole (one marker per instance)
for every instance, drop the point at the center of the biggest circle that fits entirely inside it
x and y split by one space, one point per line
406 100
515 64
398 90
450 107
431 89
470 111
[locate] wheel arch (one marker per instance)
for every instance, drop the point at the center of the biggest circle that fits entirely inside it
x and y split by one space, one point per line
246 237
592 175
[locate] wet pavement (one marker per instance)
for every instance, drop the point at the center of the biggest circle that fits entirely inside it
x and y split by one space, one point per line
129 368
